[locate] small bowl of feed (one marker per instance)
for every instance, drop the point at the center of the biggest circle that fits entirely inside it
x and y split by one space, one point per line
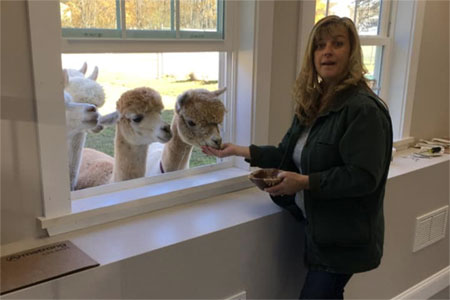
265 178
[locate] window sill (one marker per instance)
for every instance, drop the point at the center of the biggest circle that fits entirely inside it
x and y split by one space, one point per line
404 162
100 209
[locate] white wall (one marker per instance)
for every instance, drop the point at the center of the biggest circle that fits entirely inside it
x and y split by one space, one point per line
407 197
21 192
431 101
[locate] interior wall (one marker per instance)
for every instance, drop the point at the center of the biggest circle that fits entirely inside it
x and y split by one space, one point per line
21 192
284 64
430 116
264 257
401 268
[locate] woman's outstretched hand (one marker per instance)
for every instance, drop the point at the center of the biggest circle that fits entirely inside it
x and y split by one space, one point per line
227 150
292 183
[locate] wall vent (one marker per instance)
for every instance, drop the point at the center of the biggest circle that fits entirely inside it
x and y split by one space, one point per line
430 228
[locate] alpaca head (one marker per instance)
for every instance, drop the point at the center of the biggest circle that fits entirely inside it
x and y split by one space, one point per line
79 73
140 120
199 113
79 116
84 89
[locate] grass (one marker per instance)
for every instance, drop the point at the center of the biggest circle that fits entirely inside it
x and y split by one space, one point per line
104 141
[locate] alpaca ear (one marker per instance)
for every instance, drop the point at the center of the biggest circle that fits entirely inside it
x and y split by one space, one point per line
109 119
220 92
181 101
106 120
66 77
94 74
83 68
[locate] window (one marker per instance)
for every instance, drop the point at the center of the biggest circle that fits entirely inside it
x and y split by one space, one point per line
168 72
125 19
65 211
390 33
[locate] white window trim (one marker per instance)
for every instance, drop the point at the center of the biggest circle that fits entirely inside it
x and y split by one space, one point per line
250 111
402 47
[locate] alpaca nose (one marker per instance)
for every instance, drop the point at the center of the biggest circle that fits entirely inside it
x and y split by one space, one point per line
91 108
166 128
217 142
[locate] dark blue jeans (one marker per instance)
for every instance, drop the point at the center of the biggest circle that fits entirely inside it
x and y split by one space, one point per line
324 285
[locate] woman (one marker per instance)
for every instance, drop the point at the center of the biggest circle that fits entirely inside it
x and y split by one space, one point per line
335 160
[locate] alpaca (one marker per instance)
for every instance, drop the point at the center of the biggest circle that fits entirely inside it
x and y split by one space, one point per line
139 125
198 113
79 118
78 73
83 91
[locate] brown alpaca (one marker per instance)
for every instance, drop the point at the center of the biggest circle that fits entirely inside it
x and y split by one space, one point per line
198 113
139 125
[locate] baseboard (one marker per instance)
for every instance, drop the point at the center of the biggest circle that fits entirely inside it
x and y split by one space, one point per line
428 287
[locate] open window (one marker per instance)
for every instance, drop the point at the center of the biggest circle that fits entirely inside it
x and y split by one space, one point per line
188 56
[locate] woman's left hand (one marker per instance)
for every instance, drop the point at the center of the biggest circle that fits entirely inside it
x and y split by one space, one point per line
292 183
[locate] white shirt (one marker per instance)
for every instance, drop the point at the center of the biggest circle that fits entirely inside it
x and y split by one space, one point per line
296 156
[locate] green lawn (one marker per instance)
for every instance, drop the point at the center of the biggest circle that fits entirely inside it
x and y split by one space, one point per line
104 141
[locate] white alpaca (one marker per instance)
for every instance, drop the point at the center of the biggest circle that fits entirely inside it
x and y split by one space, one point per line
196 120
139 125
83 91
79 118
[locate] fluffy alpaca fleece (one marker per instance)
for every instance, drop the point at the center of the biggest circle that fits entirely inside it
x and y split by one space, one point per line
198 113
82 91
139 125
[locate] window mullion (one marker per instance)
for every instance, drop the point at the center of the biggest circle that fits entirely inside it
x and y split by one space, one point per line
177 21
220 17
123 20
385 17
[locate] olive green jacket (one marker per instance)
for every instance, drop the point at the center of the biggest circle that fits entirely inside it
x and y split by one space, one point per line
346 155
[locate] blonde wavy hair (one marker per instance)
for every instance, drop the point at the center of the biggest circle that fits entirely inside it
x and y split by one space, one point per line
309 95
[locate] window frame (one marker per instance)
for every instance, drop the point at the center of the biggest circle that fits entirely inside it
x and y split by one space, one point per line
400 35
248 110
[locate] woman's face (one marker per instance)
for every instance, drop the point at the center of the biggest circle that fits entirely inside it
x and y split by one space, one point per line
331 55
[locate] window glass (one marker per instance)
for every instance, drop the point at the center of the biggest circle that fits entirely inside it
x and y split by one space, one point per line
148 14
365 13
170 74
372 56
142 19
88 14
198 15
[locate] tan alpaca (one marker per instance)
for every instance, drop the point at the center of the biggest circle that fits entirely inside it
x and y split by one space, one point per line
139 125
198 113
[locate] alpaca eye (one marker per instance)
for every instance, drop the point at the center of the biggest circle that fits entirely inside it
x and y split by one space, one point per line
138 119
191 123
